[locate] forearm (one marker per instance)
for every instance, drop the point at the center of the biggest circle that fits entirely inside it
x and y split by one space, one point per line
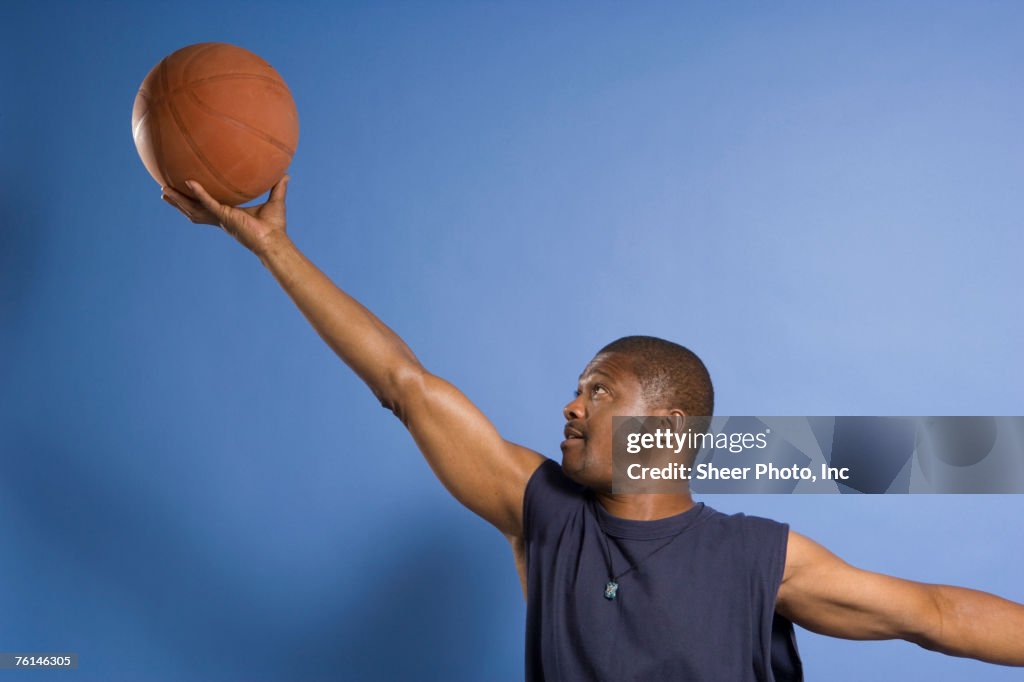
977 625
373 351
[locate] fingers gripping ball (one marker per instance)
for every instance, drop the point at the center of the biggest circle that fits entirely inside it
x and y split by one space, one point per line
218 114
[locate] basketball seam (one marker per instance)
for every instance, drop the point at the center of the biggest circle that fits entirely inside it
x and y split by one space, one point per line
195 148
224 77
155 100
269 139
191 58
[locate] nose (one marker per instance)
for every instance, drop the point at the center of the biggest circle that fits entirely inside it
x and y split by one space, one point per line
574 410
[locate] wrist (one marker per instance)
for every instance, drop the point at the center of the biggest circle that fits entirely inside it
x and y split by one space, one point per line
272 245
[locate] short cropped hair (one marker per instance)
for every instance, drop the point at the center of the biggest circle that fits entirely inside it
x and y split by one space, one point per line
672 376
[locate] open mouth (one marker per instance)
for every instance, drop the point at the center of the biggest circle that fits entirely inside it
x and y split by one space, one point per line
572 434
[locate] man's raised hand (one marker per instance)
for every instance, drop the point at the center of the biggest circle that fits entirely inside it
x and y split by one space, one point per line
254 227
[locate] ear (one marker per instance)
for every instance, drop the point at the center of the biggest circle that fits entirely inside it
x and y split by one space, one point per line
674 420
680 421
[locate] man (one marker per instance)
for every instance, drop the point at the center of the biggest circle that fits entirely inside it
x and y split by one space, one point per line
622 586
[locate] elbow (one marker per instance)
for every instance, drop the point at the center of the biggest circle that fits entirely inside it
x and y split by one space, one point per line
400 386
930 632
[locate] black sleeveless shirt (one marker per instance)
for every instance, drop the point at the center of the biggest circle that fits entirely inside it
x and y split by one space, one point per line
702 608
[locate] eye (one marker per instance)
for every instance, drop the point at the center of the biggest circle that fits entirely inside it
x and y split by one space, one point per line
577 393
598 387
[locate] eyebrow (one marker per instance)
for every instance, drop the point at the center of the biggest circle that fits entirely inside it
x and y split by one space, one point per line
597 371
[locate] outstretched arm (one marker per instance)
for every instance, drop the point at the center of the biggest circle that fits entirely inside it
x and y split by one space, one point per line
483 471
826 595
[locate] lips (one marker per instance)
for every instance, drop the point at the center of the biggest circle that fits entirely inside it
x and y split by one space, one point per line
571 433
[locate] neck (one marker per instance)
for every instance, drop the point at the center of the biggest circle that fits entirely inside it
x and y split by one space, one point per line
645 506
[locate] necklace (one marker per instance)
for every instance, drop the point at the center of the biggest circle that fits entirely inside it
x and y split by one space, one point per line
611 590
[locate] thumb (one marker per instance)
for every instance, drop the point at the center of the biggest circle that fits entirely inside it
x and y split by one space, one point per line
280 189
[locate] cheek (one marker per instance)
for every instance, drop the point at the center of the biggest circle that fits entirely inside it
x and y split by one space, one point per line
599 439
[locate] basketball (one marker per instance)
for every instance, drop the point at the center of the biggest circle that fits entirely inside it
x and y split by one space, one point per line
218 114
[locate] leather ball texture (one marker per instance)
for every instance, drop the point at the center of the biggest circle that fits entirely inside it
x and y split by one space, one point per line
219 114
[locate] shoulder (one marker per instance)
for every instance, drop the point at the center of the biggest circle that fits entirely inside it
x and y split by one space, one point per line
549 476
748 526
804 555
550 495
757 541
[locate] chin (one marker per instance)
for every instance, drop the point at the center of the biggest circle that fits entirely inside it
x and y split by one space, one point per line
573 463
580 470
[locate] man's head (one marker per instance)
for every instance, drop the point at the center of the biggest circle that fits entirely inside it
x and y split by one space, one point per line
633 376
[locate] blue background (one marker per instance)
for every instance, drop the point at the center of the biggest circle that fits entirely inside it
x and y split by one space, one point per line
823 202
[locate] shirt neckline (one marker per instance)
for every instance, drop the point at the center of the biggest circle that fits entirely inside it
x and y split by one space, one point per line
633 529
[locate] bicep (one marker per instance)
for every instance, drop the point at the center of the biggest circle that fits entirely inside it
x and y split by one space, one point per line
824 594
479 468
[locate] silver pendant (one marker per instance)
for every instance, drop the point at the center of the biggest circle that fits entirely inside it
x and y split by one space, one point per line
610 589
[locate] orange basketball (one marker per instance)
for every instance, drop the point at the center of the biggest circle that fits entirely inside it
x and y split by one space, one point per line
218 114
